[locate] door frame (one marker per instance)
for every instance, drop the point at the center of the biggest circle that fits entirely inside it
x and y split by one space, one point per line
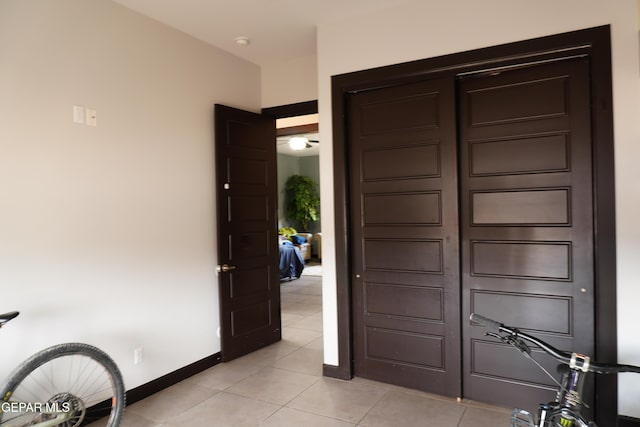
274 113
292 110
592 43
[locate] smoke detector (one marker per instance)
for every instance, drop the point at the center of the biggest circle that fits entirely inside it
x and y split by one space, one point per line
242 41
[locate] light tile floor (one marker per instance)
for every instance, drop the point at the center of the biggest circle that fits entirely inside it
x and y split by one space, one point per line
282 385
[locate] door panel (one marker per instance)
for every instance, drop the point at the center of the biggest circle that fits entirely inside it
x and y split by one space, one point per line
527 223
526 215
403 187
530 154
247 223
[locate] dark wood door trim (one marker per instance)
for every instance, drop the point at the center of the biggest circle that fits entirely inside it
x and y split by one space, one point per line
295 130
593 43
292 110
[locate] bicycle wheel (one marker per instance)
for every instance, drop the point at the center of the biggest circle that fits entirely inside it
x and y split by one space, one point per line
74 383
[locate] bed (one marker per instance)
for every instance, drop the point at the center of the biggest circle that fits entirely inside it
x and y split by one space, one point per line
291 262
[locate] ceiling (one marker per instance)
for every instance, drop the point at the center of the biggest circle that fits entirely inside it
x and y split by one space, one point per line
279 30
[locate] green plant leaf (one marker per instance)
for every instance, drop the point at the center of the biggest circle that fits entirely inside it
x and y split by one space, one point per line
302 200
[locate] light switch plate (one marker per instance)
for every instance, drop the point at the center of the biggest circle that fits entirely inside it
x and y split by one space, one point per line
92 119
78 114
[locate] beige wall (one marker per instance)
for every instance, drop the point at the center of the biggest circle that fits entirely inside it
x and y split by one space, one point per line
107 233
290 82
419 29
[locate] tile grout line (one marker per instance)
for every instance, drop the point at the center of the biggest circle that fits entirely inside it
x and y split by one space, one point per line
373 406
462 415
298 395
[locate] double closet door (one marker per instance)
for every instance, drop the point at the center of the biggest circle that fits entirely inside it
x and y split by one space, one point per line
471 194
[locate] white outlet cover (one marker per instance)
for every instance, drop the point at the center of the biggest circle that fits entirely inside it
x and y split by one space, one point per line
137 356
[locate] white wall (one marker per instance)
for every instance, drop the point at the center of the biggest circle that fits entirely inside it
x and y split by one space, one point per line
289 82
421 29
107 233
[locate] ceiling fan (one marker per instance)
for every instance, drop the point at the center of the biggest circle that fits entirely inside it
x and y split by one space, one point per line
301 142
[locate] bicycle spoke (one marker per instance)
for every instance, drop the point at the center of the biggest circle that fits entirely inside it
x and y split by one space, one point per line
73 383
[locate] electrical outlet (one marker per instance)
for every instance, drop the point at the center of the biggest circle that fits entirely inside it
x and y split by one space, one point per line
137 356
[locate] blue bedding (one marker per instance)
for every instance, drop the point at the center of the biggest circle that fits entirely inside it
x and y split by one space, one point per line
291 262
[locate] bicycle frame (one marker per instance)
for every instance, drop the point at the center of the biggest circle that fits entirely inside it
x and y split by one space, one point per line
547 414
565 410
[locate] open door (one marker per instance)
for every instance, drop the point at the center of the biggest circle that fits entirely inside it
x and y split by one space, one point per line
247 231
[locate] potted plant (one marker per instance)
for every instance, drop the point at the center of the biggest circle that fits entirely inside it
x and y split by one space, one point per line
302 200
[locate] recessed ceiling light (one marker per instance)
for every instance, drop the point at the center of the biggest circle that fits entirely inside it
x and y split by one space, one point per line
242 41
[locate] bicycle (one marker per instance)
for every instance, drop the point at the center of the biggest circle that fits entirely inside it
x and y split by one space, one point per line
66 385
565 410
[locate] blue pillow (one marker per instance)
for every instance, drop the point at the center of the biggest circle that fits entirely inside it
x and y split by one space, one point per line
298 240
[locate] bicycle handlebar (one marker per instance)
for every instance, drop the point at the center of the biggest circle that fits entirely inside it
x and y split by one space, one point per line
485 321
5 317
561 356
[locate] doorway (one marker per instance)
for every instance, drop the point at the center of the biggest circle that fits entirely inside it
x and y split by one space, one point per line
298 154
298 165
248 246
300 298
298 121
592 48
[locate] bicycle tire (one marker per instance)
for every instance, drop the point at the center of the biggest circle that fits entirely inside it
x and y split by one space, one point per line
80 374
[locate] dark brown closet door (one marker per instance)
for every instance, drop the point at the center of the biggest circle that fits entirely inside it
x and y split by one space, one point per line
403 186
527 223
